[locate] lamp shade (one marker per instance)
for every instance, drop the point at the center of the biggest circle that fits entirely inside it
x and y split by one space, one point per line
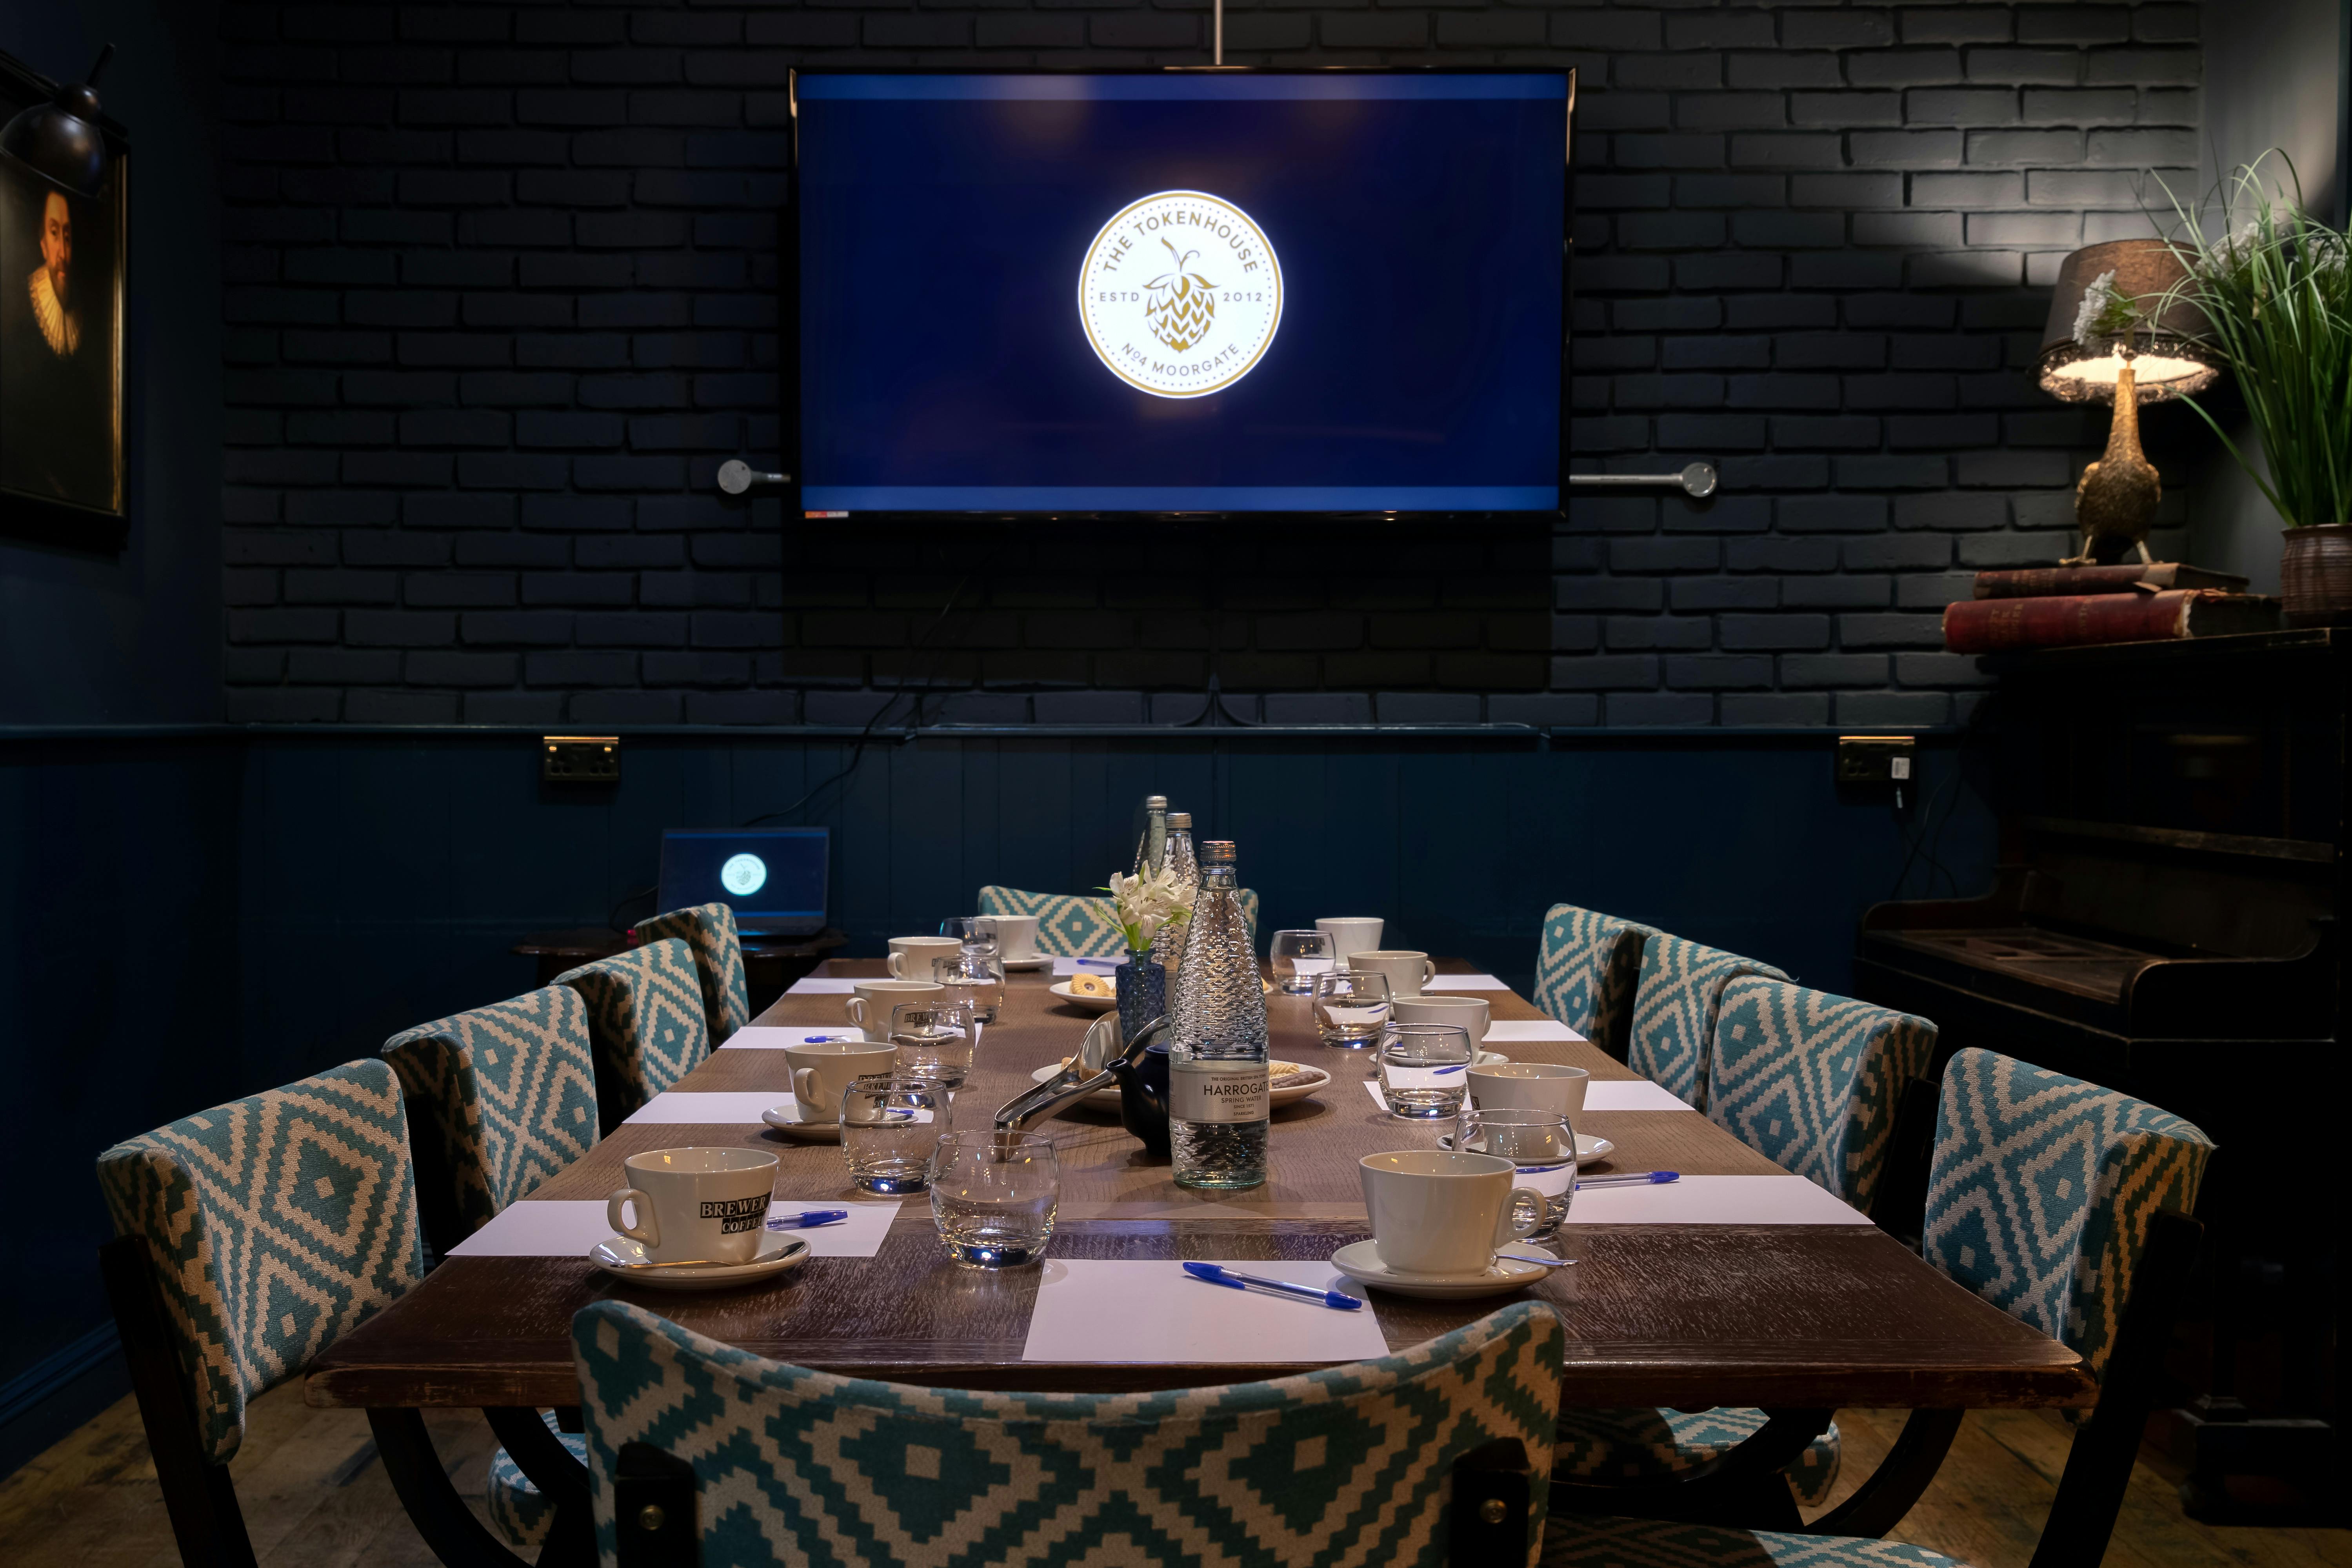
2165 362
61 138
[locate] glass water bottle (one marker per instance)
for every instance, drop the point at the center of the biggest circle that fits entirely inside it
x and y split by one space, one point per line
1153 845
1168 947
1217 1084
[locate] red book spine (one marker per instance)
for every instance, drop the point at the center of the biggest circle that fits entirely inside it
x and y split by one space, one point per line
2033 581
1990 626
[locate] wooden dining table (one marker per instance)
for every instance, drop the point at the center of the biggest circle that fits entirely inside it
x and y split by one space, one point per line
1789 1317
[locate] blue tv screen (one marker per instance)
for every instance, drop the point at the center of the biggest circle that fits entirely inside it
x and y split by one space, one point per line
1257 291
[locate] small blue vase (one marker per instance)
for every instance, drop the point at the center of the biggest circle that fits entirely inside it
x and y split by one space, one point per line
1143 993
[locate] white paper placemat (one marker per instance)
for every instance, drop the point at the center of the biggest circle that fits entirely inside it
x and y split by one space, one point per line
568 1227
1636 1094
821 985
1501 1031
1464 983
733 1105
1116 1309
1712 1200
769 1038
1065 966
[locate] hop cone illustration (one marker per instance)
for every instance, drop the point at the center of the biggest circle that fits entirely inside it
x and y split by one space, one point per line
1177 303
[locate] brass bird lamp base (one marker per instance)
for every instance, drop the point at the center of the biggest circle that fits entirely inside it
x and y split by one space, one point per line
2117 497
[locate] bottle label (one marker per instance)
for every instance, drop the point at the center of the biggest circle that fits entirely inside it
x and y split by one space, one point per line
1218 1091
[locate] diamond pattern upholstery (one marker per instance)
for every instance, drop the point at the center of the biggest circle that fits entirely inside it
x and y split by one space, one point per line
709 929
1812 1081
1681 986
1350 1465
1072 925
518 1509
277 1224
505 1095
1651 1543
1586 970
1604 1448
646 1021
2041 1189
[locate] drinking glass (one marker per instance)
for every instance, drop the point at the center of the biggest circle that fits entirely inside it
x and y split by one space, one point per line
1351 1009
934 1041
977 932
994 1196
974 978
1540 1142
1296 957
1424 1069
888 1123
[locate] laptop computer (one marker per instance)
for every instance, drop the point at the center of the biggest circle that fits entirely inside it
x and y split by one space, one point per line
774 878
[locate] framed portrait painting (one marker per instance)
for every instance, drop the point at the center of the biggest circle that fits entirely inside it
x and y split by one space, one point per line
62 256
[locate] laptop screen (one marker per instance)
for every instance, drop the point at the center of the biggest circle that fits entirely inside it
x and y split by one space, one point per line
773 878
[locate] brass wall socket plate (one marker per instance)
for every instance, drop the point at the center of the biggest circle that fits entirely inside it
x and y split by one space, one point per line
580 759
1876 759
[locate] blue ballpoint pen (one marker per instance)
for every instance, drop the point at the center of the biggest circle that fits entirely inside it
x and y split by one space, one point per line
1631 1179
807 1218
1217 1273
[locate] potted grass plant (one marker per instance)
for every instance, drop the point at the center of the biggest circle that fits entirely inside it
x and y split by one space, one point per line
2275 290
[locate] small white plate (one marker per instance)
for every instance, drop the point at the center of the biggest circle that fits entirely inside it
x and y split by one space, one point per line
1034 960
1108 1099
1487 1058
1588 1147
1091 1004
1360 1262
787 1120
616 1254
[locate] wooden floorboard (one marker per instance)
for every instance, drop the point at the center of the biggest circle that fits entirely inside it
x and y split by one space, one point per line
316 1496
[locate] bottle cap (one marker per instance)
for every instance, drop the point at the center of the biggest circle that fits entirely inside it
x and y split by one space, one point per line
1182 819
1217 852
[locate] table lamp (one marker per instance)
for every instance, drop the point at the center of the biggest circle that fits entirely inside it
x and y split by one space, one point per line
61 138
2108 342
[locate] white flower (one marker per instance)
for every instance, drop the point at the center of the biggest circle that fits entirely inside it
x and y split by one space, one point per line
1145 904
2094 300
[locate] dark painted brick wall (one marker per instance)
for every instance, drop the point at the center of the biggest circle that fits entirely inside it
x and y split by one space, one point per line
500 297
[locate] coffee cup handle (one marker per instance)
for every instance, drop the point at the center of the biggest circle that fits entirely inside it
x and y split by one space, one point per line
856 1007
895 973
805 1090
646 1230
1507 1227
1428 970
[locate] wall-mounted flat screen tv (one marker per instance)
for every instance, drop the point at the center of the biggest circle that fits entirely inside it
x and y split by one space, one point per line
1179 291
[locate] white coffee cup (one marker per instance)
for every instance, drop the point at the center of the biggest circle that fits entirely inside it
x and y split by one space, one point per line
1350 933
1530 1086
1466 1013
911 957
823 1071
697 1205
1407 971
870 1002
1016 935
1439 1211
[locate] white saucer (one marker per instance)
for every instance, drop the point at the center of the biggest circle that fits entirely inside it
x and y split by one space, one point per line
1108 1099
1034 960
1588 1147
787 1120
1359 1261
614 1254
1487 1058
1092 1004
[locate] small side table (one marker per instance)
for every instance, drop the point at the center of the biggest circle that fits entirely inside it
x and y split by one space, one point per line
770 963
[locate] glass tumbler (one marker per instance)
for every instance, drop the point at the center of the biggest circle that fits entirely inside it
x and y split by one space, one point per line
974 978
977 932
934 1041
1351 1009
1540 1142
888 1123
994 1196
1297 958
1424 1069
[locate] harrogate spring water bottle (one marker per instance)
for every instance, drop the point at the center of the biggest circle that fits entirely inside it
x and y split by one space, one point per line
1217 1088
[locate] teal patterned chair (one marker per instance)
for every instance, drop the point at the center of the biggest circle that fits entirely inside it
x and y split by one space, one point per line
1350 1464
1072 925
646 1021
1674 1011
2065 1205
709 929
500 1098
1586 971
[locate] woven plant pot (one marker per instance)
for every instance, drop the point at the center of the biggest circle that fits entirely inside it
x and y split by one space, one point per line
2315 575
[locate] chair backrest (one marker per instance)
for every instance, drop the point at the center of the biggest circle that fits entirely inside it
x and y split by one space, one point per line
709 929
2042 1191
1350 1464
276 1224
502 1098
1072 925
1674 1011
1813 1080
1586 969
646 1021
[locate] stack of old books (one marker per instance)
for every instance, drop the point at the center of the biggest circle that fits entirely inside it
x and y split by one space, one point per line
2065 607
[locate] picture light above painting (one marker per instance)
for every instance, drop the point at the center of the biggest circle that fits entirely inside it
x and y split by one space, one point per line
64 244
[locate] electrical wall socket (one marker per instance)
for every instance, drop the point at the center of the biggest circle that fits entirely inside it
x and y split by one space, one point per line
1864 760
580 759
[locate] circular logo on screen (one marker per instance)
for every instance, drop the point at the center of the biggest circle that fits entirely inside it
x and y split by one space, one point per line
1181 294
743 874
